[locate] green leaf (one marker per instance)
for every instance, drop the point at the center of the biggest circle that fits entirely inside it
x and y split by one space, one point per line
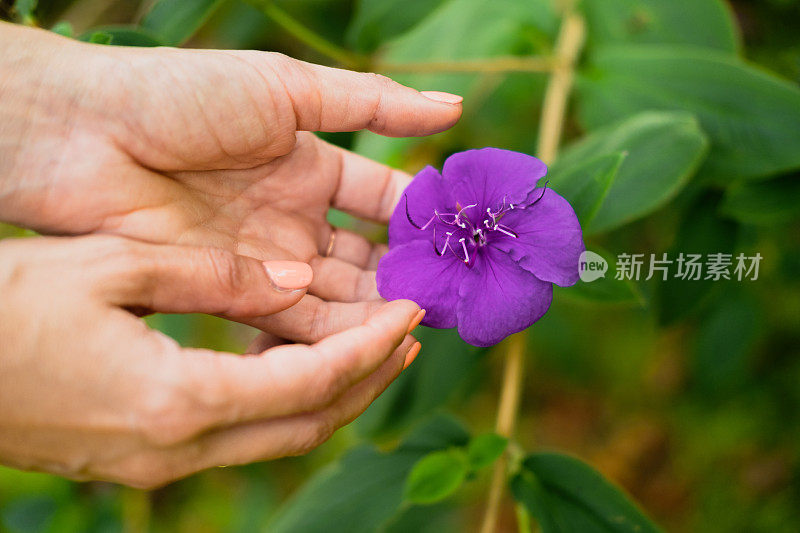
493 28
723 344
439 376
377 21
435 433
770 202
566 495
436 518
100 37
173 22
497 28
123 36
708 23
63 28
751 117
663 151
586 183
364 489
701 232
436 476
25 10
606 289
485 449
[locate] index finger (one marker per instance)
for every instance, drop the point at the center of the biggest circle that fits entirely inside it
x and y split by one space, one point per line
224 389
332 99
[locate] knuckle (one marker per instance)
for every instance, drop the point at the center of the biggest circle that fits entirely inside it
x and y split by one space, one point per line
145 471
115 248
226 271
116 255
317 324
215 397
281 61
326 389
161 417
319 431
13 266
380 79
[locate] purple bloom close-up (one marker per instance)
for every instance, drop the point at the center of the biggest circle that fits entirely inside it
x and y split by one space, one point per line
479 246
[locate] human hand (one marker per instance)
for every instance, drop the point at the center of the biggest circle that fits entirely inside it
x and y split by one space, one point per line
202 147
89 392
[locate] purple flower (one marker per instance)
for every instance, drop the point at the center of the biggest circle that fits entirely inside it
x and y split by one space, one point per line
480 246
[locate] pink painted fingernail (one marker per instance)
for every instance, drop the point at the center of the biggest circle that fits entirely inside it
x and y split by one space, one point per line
417 319
289 275
439 96
412 354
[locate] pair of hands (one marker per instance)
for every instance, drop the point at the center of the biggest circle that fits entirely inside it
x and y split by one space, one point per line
204 192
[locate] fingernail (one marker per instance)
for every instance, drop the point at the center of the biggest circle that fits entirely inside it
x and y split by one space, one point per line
289 275
417 319
412 354
439 96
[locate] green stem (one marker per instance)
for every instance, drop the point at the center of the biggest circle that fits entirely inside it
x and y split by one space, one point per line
308 36
488 65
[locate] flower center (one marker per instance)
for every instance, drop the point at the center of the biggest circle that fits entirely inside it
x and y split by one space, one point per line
463 235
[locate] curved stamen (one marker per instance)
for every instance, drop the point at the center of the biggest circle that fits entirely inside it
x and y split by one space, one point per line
505 229
544 189
443 221
445 245
436 215
464 208
499 211
411 221
467 221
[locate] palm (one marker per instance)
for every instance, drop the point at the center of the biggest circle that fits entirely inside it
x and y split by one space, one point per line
275 210
212 148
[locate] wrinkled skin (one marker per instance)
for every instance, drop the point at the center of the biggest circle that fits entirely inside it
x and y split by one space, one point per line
89 392
203 148
194 170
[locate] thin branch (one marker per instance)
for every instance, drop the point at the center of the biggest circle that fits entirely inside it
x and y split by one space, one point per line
554 106
506 419
493 64
308 36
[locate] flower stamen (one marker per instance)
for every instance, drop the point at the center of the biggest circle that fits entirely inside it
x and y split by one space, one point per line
505 229
462 240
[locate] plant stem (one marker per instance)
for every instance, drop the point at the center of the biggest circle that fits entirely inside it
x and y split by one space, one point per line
493 64
308 36
554 105
568 47
136 510
506 419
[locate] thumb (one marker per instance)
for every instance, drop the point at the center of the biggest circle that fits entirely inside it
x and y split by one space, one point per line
185 279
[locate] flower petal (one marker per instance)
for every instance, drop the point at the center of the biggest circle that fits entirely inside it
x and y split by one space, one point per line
498 298
413 271
549 241
427 192
488 175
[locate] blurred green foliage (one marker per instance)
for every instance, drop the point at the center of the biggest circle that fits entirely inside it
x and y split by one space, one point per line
683 136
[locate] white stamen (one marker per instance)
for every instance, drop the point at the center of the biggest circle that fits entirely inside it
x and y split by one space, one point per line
501 230
464 246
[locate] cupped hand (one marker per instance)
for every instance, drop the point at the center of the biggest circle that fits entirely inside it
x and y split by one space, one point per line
89 392
209 148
